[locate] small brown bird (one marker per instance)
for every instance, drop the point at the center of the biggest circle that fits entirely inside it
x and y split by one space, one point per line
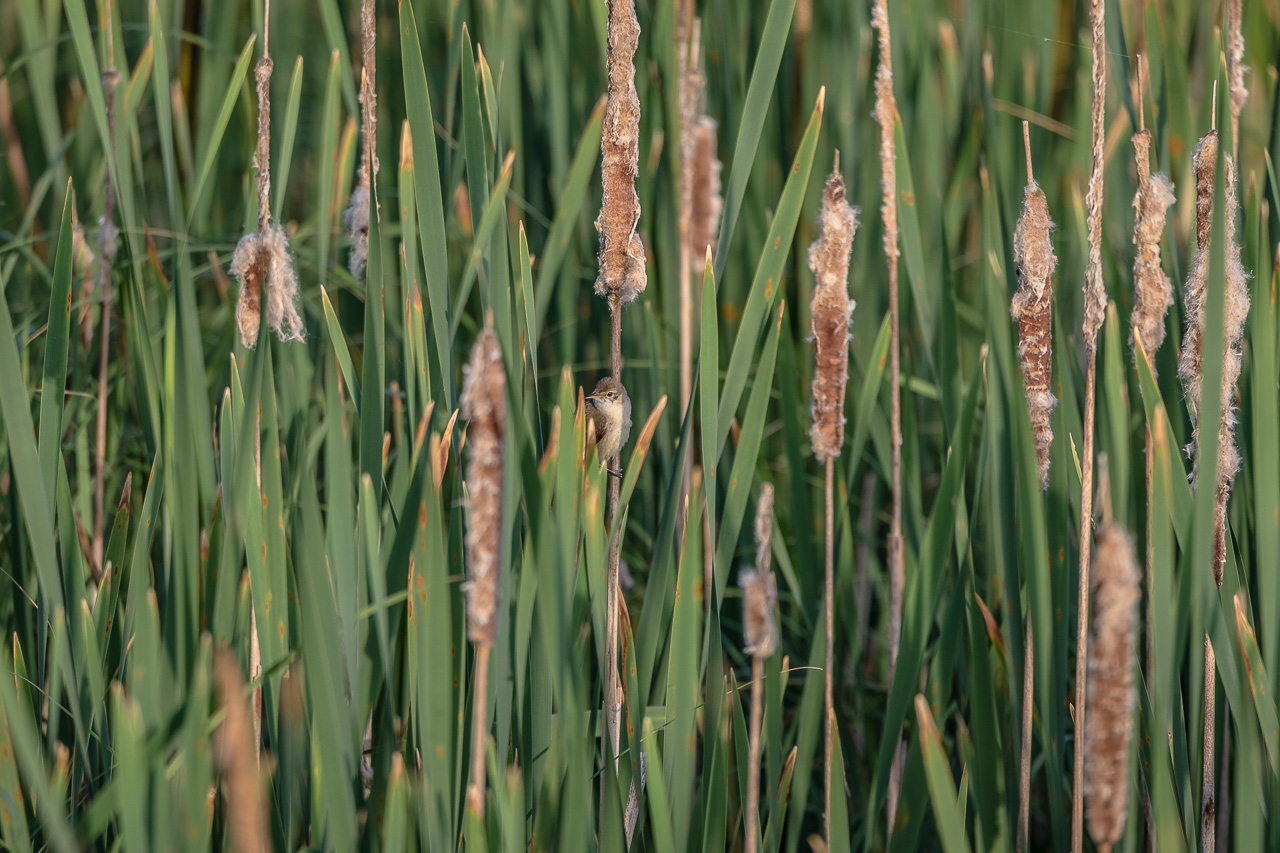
609 408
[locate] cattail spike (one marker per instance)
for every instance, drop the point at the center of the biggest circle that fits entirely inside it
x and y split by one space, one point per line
1032 307
704 223
236 760
760 592
1095 291
1236 69
830 312
1152 290
484 405
1115 581
622 253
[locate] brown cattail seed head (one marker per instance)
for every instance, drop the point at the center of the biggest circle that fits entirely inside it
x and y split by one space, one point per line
759 590
886 111
1236 312
1115 582
1205 162
484 405
622 253
1152 291
1095 292
764 527
830 312
1236 69
282 287
706 201
1032 308
356 220
236 760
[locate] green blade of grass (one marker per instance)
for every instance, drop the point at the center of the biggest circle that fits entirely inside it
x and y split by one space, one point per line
755 109
57 341
766 286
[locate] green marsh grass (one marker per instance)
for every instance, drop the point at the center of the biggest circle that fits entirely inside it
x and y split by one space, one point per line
316 489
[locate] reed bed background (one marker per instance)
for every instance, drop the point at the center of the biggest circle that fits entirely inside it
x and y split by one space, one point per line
315 583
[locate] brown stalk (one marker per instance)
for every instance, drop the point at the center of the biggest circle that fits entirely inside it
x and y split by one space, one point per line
107 234
1208 808
484 404
622 278
886 110
1152 296
1095 309
238 768
1116 585
760 596
830 311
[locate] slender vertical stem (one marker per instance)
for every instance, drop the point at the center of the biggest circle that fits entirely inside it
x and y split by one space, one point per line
1082 604
1207 807
479 732
106 254
829 664
1024 772
753 767
1095 307
612 690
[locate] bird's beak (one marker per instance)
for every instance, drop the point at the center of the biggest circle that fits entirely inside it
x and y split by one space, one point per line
591 397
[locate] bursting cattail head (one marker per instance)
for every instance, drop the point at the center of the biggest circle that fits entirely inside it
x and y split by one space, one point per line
1152 290
759 590
1236 69
1205 163
886 111
830 311
484 405
1032 308
1236 311
1095 292
1115 581
706 202
622 253
356 221
247 263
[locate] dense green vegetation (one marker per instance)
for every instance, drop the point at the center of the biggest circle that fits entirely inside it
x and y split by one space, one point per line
310 494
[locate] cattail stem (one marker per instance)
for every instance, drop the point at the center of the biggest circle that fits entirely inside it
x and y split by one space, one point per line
886 113
106 255
1024 770
751 844
622 278
760 635
1095 307
828 690
479 732
1207 806
613 690
830 312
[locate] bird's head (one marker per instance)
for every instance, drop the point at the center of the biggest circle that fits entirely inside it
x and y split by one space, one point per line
611 399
